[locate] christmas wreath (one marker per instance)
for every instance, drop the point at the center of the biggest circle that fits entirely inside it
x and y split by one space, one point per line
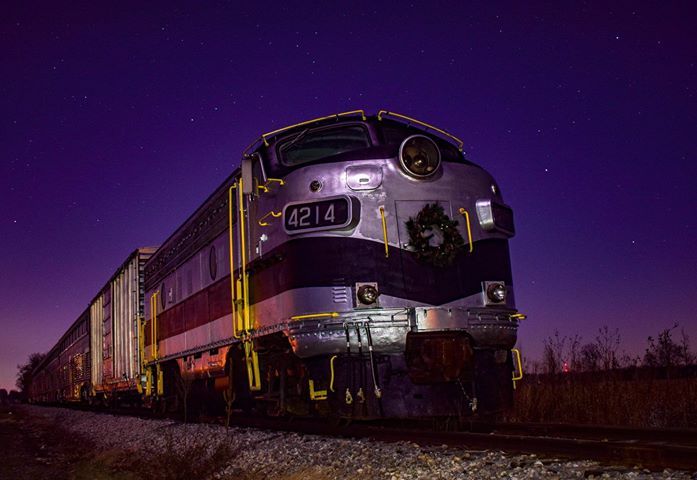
433 236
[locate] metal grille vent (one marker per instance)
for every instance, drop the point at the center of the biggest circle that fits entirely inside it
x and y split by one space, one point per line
340 294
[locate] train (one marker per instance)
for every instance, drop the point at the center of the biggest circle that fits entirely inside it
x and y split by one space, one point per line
353 265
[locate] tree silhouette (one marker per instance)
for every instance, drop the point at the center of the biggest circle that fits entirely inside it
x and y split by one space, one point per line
26 371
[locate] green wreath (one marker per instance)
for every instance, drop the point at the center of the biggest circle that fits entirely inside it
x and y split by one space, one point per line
424 227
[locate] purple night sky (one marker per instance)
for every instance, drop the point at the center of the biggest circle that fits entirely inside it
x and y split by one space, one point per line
118 121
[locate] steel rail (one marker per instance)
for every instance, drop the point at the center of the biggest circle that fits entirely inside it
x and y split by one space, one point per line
674 449
654 449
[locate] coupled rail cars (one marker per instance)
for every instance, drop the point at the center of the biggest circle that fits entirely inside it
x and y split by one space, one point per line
353 265
97 360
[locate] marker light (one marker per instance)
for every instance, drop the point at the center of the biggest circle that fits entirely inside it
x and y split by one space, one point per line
496 292
367 294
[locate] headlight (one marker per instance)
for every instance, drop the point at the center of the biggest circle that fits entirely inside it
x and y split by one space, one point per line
367 294
496 292
419 156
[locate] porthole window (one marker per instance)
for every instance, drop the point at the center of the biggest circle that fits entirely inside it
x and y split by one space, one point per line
212 262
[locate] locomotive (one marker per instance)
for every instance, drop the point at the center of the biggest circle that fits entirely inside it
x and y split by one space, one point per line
353 265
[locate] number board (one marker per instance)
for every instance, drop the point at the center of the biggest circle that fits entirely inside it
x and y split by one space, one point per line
327 214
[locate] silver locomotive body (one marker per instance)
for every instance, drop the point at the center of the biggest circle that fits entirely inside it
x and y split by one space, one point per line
370 274
321 271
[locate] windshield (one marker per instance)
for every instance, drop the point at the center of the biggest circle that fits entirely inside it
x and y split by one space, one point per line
308 146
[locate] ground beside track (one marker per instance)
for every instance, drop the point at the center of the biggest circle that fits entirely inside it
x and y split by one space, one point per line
35 446
43 443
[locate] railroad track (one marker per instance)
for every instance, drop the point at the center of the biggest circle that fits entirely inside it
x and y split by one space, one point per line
654 449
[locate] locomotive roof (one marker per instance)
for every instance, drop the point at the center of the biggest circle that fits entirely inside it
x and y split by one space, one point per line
344 117
191 219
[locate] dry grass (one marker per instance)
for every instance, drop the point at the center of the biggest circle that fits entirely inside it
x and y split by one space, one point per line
607 399
199 461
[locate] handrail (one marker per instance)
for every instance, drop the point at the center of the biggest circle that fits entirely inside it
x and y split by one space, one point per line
469 228
152 331
261 221
316 395
307 122
384 232
251 358
152 336
141 352
153 325
252 361
331 371
243 255
265 187
232 261
315 315
264 136
160 384
382 113
517 372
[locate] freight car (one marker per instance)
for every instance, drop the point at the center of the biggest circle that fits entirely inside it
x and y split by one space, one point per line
64 373
353 265
116 315
97 360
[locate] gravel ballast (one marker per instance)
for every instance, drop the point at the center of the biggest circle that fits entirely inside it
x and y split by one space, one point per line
168 449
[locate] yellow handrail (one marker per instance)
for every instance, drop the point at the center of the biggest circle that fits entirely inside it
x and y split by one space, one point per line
261 221
232 262
252 361
148 382
424 124
517 372
160 380
331 371
250 353
307 122
243 256
265 187
153 325
141 352
384 232
518 316
316 395
152 331
154 339
315 315
469 228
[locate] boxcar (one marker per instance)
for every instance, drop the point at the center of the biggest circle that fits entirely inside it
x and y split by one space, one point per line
115 318
64 374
